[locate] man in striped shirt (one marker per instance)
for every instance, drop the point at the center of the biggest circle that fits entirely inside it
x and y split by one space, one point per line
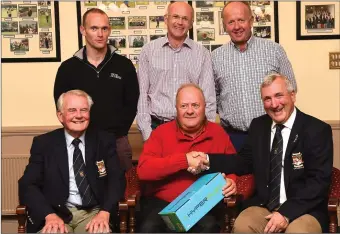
168 62
239 67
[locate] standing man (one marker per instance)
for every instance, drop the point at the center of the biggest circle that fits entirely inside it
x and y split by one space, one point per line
239 67
167 63
109 78
73 181
290 154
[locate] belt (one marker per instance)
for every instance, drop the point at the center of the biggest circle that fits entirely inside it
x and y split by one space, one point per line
157 121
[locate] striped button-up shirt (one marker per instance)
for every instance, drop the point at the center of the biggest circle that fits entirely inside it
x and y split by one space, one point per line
238 77
162 70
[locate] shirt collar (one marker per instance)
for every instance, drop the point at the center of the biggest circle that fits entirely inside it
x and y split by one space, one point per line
70 138
289 123
187 42
249 43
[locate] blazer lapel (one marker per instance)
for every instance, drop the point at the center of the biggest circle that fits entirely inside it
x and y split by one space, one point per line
266 147
292 142
61 155
90 159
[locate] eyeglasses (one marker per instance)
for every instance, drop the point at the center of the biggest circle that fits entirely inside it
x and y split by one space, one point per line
178 17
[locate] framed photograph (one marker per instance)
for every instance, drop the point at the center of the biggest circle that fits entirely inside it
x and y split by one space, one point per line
262 31
156 36
128 4
90 3
205 34
317 20
30 31
9 11
27 11
205 18
134 59
137 41
45 39
117 41
117 23
137 22
156 22
202 4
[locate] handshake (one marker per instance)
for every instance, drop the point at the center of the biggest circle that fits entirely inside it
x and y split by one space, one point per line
197 161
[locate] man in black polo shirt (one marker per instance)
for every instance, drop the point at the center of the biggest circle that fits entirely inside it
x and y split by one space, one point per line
109 78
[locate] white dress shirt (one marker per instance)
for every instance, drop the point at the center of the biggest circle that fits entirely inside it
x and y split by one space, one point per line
74 198
285 137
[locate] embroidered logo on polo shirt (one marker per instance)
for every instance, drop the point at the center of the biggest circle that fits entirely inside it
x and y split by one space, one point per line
114 75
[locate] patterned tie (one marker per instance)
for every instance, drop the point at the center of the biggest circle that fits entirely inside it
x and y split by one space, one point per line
80 176
275 169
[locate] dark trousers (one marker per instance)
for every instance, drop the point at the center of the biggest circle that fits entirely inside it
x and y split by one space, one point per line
156 122
152 222
237 137
124 152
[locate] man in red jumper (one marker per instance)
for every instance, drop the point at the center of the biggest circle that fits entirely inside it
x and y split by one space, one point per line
169 155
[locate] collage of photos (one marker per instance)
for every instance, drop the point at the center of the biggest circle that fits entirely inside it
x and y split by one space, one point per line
209 29
26 27
133 24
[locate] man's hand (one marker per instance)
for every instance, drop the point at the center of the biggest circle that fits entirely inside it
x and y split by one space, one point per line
277 223
99 223
230 187
54 224
197 162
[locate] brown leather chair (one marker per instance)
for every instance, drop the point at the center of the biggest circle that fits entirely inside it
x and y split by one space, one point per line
126 216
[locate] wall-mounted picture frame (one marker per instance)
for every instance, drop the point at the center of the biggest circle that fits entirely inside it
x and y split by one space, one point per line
317 20
30 31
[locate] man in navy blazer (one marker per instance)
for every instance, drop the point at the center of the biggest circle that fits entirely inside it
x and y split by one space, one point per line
49 186
304 169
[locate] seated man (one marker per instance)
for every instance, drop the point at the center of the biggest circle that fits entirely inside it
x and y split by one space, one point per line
163 164
73 181
291 156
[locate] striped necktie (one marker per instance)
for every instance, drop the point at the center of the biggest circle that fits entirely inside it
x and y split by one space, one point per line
275 169
80 176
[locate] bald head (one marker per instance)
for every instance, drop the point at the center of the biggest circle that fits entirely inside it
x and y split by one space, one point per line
175 6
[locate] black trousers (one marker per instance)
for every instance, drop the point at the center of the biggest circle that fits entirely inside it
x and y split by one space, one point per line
152 222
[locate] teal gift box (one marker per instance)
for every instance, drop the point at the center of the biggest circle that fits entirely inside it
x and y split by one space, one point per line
197 200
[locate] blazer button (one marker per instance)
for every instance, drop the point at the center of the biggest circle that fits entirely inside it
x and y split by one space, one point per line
59 205
267 186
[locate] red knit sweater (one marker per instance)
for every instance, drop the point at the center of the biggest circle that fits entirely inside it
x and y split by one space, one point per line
162 166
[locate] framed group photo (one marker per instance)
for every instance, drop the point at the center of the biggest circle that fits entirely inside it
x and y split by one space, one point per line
30 31
317 20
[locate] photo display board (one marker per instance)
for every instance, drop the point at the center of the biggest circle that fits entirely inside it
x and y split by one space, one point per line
30 31
133 24
208 26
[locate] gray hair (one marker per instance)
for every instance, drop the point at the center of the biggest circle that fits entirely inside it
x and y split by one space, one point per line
187 86
269 79
76 92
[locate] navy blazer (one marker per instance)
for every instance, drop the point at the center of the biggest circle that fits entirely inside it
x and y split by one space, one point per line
307 184
44 187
